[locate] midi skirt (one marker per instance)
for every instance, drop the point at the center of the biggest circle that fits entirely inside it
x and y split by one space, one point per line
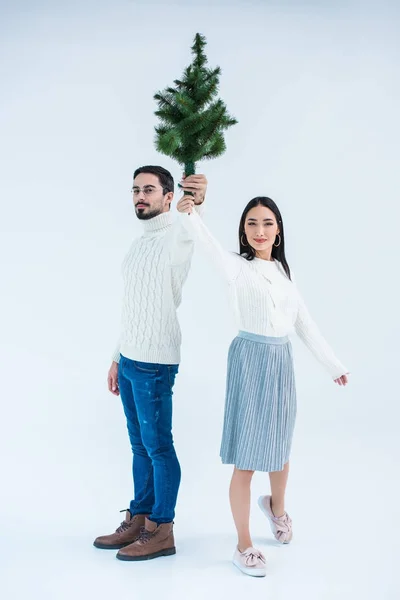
260 403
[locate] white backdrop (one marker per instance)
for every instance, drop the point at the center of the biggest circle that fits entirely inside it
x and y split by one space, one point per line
316 91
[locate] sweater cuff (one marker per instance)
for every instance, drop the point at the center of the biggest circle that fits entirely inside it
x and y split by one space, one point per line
338 372
116 356
199 208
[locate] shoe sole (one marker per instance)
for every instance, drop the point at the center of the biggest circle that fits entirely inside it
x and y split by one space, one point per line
113 547
167 552
249 571
272 524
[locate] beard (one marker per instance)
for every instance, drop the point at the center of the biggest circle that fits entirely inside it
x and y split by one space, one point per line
143 215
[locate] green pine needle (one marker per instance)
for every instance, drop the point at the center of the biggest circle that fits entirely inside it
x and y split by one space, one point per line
192 119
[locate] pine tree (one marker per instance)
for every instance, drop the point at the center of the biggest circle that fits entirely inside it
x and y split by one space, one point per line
192 118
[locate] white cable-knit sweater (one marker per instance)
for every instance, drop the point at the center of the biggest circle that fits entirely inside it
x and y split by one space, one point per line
265 300
154 271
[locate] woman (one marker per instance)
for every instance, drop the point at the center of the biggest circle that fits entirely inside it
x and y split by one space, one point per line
260 408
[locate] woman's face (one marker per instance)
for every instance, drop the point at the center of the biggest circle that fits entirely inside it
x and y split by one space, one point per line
261 229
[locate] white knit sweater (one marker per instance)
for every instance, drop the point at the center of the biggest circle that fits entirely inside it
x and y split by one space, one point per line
265 300
154 271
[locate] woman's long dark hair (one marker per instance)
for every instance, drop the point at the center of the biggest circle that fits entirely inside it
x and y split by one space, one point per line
278 252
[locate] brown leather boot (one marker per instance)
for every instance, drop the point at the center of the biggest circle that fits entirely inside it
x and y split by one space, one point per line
126 533
153 541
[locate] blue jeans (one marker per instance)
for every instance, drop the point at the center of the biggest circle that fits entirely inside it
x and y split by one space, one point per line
146 394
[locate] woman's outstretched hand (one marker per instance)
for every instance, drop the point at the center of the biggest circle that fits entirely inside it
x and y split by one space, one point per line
185 205
343 380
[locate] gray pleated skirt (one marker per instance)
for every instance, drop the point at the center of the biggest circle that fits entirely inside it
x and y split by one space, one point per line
260 405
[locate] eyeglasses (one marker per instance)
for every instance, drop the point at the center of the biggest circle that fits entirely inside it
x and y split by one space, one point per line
147 190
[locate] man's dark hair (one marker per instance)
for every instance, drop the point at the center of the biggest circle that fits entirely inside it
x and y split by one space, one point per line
164 177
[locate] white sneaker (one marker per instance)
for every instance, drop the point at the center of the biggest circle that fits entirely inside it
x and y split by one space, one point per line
281 526
251 562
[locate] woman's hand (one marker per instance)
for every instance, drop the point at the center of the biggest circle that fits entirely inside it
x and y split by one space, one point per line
343 380
185 205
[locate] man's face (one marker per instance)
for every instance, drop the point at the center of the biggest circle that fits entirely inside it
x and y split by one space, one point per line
148 196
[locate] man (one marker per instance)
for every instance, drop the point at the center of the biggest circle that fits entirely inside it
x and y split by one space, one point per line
146 362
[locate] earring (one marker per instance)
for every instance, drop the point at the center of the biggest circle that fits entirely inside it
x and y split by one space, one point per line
280 239
241 239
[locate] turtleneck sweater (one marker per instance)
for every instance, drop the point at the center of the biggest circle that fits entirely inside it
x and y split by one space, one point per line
265 300
154 271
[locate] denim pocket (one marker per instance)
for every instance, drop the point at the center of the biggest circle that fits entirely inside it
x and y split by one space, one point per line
146 367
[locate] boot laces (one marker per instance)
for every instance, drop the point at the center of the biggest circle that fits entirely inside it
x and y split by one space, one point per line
144 535
125 525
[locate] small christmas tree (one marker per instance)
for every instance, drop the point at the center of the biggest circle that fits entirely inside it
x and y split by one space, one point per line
192 119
